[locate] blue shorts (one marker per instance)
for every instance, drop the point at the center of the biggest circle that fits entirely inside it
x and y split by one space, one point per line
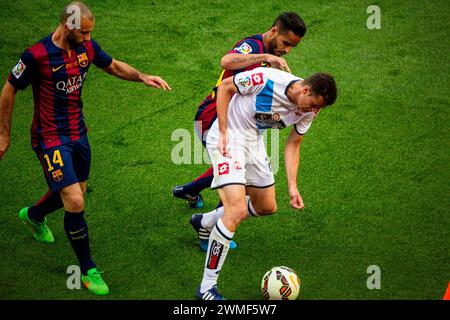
66 164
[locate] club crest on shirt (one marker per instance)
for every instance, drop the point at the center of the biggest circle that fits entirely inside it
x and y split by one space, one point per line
19 69
83 60
57 175
276 117
266 120
244 48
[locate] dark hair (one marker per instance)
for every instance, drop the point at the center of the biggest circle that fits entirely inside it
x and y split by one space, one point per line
290 21
323 84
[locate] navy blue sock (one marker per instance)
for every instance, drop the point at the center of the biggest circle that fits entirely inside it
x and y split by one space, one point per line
48 204
77 233
202 182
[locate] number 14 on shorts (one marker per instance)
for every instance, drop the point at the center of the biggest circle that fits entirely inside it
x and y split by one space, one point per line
56 160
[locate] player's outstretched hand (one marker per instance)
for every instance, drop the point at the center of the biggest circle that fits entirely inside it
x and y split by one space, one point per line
156 82
296 199
278 63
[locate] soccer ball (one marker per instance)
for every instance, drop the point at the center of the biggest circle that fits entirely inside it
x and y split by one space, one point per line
280 283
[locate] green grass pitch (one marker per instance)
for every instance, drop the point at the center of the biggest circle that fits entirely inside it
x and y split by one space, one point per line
374 171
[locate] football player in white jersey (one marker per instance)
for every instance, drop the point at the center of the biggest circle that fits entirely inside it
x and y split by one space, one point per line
247 104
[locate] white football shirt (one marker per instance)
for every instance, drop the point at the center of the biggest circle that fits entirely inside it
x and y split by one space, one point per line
262 102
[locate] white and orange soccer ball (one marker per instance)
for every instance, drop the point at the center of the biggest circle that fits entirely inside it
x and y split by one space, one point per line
280 283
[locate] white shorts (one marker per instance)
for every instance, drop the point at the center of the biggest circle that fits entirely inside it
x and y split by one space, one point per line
249 164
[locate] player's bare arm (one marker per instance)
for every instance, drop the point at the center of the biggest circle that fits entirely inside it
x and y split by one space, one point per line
235 61
292 161
225 91
124 71
6 109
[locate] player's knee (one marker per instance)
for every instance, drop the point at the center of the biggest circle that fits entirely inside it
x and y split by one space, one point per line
238 215
75 202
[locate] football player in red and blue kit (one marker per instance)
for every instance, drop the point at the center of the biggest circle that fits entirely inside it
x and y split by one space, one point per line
252 52
57 67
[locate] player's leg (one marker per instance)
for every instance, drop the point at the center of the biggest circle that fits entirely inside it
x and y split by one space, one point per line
52 162
259 202
191 191
200 183
235 211
77 233
34 216
230 180
262 201
225 171
74 222
75 225
204 223
49 203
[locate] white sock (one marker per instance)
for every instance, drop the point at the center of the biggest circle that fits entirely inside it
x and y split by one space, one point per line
251 212
210 219
219 241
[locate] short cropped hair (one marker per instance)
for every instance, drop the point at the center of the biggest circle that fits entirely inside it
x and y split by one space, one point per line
84 10
290 21
323 84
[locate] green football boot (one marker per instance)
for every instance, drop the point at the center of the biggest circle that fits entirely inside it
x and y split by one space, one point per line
94 282
40 230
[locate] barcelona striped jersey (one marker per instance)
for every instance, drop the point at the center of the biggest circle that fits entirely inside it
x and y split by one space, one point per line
57 77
